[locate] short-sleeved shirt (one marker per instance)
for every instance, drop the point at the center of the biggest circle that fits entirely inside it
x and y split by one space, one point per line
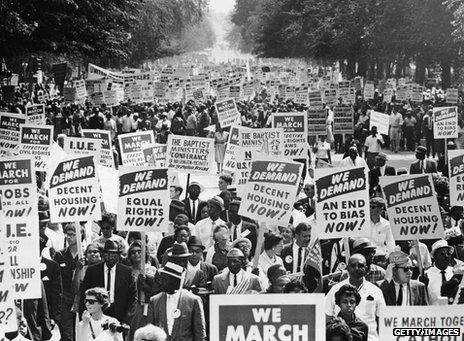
372 145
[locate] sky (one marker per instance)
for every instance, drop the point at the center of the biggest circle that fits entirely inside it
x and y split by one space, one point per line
221 6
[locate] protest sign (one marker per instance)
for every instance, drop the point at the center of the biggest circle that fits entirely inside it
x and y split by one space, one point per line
271 190
342 202
36 143
401 93
298 317
35 114
82 146
9 132
445 123
18 191
108 178
442 323
343 120
106 155
295 127
369 90
231 153
379 120
74 191
190 154
301 95
412 207
456 176
131 146
268 138
143 203
387 95
227 113
155 155
452 96
317 121
315 99
330 96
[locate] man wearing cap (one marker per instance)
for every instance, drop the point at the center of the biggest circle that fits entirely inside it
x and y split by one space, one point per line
401 290
204 228
234 280
380 169
198 272
441 271
193 202
177 311
422 165
240 228
117 279
396 121
381 233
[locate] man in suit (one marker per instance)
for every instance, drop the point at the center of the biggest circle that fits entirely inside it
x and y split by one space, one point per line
235 280
177 311
295 254
427 132
308 203
240 228
199 273
192 203
422 165
118 281
402 290
380 169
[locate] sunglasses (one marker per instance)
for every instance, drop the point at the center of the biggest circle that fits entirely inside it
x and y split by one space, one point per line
90 301
405 268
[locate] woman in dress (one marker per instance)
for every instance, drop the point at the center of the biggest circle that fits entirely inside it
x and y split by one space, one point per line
93 320
220 140
273 245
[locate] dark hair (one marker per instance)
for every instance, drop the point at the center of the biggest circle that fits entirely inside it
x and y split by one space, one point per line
271 240
275 270
181 228
301 227
338 327
347 290
201 205
178 189
292 285
226 178
182 216
101 295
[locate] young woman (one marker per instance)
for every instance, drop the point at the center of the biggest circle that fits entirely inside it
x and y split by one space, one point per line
347 298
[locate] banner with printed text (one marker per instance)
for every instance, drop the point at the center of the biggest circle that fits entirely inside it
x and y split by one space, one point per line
35 114
36 143
342 202
143 203
412 207
74 191
9 132
106 155
231 153
379 120
295 127
343 120
284 317
79 146
155 155
190 154
456 177
227 113
271 190
131 146
445 123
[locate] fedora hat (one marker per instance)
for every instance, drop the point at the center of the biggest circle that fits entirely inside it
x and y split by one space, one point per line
179 250
195 241
196 183
173 270
362 244
440 244
111 246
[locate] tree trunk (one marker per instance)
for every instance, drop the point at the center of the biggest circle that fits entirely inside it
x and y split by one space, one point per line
388 69
380 69
362 67
420 71
445 74
350 69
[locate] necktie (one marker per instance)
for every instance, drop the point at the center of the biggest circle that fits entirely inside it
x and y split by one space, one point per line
235 227
108 283
422 166
235 280
399 300
298 266
193 211
443 277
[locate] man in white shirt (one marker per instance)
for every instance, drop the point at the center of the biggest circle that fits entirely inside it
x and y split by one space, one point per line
371 296
204 228
294 255
381 234
353 160
373 146
396 122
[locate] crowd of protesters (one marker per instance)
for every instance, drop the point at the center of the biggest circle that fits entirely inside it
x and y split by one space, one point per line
117 292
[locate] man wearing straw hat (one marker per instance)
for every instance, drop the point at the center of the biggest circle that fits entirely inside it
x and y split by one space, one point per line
177 311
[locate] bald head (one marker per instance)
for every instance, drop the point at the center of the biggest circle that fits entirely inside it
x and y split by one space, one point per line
357 267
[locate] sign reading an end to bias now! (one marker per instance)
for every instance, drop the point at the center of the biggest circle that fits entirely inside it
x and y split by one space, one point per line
342 202
445 123
412 207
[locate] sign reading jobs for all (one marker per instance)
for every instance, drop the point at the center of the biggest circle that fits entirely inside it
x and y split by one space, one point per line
445 123
412 207
18 191
227 113
295 126
36 143
190 154
342 202
106 154
456 174
9 132
142 204
441 316
297 317
132 145
74 191
271 190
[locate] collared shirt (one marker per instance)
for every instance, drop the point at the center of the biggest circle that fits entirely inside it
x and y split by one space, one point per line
435 282
112 282
374 275
172 302
405 290
204 230
382 170
372 144
295 250
382 237
396 120
239 277
235 231
372 301
265 262
348 162
191 273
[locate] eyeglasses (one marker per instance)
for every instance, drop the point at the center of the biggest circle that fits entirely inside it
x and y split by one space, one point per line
405 268
90 301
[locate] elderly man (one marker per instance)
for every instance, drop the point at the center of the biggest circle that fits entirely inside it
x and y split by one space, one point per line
234 280
371 296
294 255
217 254
402 290
353 159
204 228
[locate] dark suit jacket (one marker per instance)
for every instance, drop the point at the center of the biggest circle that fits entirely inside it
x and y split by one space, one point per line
51 278
190 326
417 293
374 176
125 293
188 210
305 201
221 282
165 244
430 167
252 236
